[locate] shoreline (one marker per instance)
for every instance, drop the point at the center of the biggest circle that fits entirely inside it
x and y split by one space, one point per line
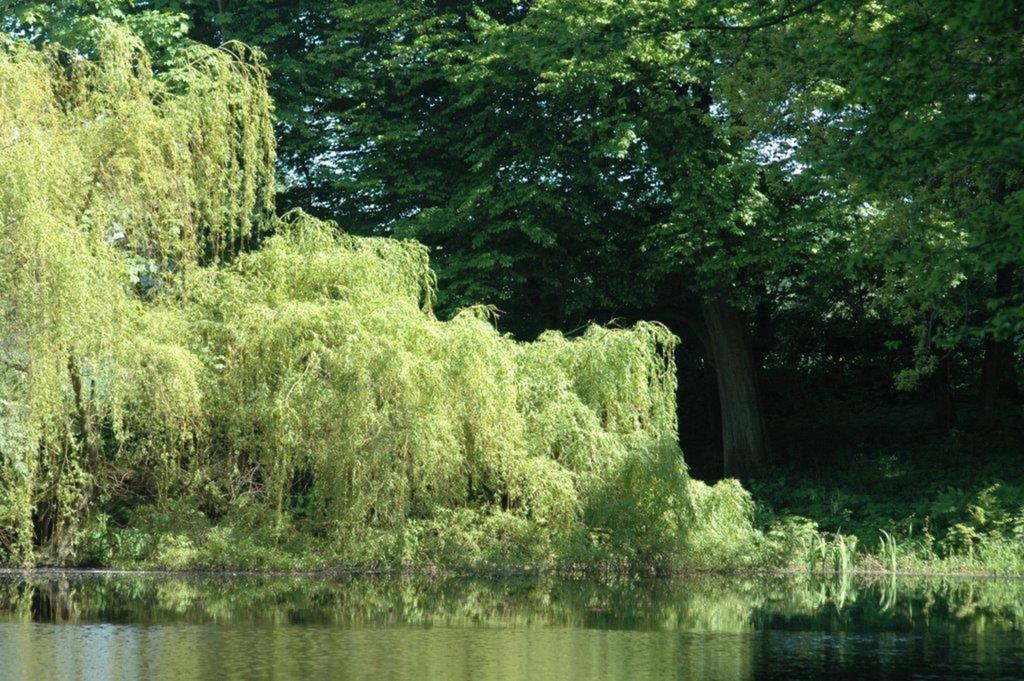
44 571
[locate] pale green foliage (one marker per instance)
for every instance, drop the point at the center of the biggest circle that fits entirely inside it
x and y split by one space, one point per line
723 530
328 372
109 170
301 390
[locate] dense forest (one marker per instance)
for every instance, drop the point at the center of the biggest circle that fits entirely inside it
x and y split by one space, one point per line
394 282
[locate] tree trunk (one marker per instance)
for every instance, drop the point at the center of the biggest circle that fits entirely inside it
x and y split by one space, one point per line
942 395
998 377
744 432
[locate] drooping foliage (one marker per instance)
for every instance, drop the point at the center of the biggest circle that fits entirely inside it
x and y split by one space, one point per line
150 355
115 180
332 378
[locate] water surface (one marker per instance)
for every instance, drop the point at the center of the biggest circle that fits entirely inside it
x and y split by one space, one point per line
82 626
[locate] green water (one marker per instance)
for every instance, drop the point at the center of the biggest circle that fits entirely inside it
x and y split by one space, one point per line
87 626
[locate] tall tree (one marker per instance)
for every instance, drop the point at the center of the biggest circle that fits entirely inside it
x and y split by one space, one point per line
716 219
919 107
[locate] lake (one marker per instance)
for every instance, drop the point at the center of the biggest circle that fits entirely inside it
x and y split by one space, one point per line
73 625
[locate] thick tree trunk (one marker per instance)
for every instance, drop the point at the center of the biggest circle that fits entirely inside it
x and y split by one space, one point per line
998 377
744 432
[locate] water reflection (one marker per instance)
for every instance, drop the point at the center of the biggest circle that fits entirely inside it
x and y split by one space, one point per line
68 625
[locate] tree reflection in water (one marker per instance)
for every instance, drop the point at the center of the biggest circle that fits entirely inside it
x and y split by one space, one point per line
201 626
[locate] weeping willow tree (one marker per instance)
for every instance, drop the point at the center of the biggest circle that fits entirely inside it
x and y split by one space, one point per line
333 382
115 181
166 337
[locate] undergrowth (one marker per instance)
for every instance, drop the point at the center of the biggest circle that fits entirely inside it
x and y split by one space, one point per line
933 502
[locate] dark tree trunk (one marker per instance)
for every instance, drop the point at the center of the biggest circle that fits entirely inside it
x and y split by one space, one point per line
942 395
998 375
744 432
82 421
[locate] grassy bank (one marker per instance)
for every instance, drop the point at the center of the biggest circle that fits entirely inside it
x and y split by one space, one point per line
930 515
906 496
